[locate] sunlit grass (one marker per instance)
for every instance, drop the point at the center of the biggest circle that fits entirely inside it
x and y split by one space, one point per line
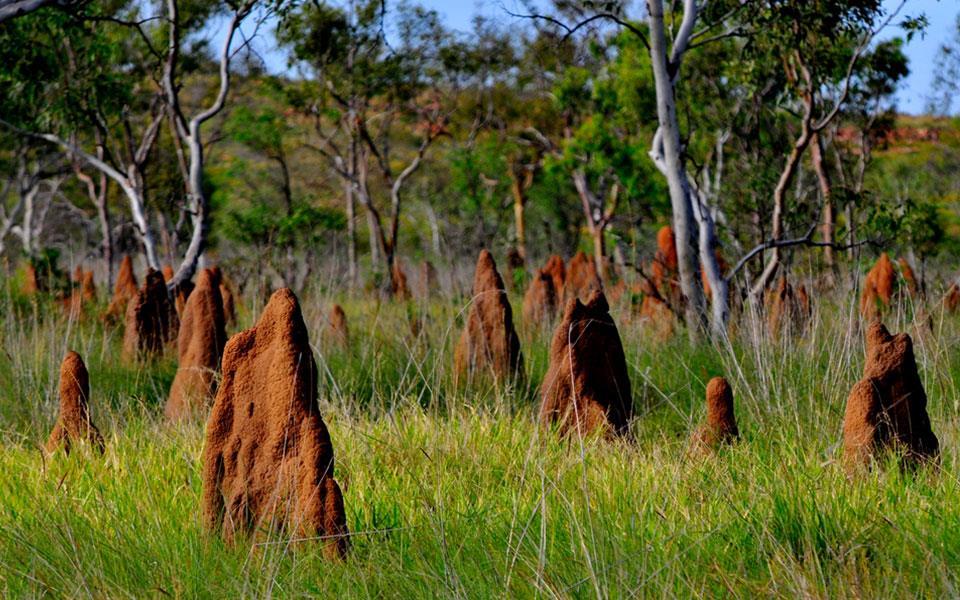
456 492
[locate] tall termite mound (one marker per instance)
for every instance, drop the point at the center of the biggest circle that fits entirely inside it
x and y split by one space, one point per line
124 289
200 342
337 326
151 321
661 291
167 271
787 307
721 425
540 300
268 459
558 273
74 424
665 263
581 280
180 294
226 293
888 407
878 288
488 342
586 387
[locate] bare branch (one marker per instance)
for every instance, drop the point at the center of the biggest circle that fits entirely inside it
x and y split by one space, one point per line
806 240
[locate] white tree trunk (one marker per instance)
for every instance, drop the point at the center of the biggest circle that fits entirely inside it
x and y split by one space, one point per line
667 156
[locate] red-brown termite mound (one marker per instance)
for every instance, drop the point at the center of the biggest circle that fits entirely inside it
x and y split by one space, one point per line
721 425
661 291
878 288
888 407
125 288
226 293
787 308
151 320
337 326
268 460
540 300
582 278
558 272
489 343
586 388
200 342
167 271
665 263
74 424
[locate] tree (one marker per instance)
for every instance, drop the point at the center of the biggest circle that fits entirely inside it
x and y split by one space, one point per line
188 129
363 90
94 111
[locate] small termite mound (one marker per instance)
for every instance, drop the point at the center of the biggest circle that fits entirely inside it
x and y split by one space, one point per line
558 273
721 426
587 388
337 326
888 407
582 279
878 288
489 342
124 289
151 321
74 425
540 299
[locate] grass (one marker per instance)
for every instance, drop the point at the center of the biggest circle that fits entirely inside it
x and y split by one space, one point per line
455 492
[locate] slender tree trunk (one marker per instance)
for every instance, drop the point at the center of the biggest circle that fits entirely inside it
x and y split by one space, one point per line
669 136
138 210
26 227
375 257
97 192
600 250
518 186
826 192
351 233
780 195
348 192
189 131
103 216
434 229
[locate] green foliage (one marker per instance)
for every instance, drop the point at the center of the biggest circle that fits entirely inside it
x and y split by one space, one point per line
263 226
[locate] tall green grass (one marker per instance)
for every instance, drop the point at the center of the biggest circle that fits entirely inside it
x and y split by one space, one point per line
453 491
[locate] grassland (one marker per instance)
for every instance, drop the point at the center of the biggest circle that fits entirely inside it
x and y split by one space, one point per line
455 492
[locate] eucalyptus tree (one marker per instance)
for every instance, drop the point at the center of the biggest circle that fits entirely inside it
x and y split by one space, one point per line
370 98
99 82
76 84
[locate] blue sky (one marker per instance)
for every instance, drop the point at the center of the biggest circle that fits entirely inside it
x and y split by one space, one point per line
911 97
